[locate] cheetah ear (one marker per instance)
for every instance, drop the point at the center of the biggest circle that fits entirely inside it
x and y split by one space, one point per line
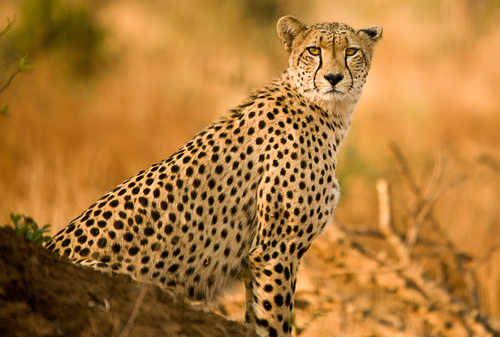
373 33
288 27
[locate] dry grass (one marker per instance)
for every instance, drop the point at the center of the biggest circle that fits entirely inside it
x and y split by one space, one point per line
433 90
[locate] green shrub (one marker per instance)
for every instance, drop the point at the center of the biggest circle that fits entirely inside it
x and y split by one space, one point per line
67 29
28 229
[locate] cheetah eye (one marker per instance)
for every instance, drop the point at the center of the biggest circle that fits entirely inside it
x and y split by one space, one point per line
315 51
351 51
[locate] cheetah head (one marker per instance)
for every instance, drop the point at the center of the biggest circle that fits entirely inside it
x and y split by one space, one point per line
329 62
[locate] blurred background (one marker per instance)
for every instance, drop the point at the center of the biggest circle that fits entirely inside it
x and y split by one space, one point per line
119 85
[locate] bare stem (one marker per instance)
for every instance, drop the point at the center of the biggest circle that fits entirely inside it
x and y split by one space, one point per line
128 327
9 81
385 223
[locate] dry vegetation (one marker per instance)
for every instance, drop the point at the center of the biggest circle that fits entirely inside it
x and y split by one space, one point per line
173 66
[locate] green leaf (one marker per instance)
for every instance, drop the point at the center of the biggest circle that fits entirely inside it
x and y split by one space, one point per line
4 110
15 218
23 64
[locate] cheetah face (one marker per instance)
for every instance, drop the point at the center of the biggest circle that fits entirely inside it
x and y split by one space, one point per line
329 62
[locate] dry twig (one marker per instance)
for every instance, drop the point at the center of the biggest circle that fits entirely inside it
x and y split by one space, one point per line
385 223
128 327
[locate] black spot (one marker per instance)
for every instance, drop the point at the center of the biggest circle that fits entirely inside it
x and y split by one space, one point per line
116 248
101 243
301 252
179 183
278 300
262 322
211 183
155 215
148 231
173 268
133 250
143 201
85 252
286 327
118 224
199 210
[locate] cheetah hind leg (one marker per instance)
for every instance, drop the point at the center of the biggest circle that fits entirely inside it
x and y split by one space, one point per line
107 268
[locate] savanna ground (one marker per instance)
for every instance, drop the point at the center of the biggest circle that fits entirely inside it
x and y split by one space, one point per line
134 80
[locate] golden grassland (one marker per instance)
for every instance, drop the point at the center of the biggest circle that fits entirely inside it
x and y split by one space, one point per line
175 66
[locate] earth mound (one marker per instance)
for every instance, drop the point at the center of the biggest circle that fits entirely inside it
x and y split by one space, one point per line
43 295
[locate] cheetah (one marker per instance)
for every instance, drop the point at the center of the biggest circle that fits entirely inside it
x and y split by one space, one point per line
246 196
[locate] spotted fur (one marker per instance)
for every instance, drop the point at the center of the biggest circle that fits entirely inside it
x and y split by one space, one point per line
247 195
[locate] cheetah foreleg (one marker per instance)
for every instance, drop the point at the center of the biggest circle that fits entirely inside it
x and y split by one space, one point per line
271 291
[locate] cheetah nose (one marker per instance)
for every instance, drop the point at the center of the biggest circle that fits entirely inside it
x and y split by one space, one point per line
334 78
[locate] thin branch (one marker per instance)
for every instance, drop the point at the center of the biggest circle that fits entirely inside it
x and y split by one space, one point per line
128 327
7 27
9 81
385 223
405 168
426 211
491 251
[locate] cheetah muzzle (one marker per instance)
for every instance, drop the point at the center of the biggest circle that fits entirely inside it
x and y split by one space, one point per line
247 195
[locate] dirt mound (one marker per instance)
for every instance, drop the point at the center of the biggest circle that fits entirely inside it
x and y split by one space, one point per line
43 295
